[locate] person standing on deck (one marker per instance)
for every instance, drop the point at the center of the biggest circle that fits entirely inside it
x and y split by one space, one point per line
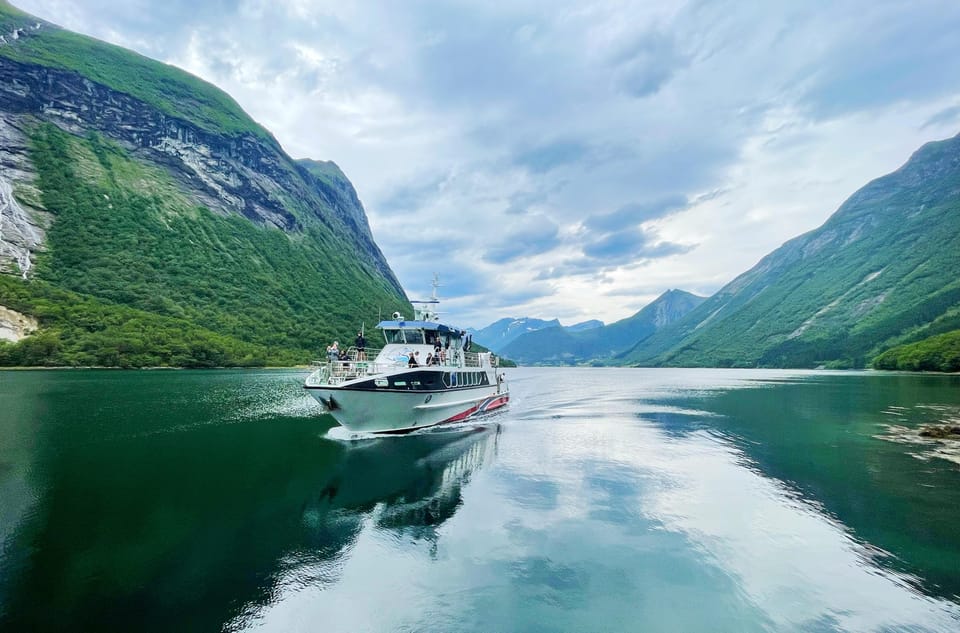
361 345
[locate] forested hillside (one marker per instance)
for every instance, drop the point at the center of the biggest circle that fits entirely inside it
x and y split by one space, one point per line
937 353
139 202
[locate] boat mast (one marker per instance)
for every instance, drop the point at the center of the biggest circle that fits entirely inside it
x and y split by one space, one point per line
425 313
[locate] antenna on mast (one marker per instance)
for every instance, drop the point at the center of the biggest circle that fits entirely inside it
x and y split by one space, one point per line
436 284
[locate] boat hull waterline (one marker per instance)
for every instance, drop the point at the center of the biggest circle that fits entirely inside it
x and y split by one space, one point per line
403 411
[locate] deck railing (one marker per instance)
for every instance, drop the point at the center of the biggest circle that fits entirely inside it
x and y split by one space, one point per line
333 372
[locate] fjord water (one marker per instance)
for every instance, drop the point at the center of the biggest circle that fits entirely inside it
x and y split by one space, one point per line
602 500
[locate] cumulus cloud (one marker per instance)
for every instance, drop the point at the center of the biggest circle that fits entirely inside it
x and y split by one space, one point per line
540 153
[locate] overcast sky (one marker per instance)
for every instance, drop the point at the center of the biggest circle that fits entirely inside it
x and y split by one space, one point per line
571 159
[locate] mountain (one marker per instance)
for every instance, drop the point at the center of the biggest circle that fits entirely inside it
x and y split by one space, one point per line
883 270
500 333
585 325
561 346
134 192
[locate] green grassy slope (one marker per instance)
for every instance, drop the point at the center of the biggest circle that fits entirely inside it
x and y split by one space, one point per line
124 233
883 270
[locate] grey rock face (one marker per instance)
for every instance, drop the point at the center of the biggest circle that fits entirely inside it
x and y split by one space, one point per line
21 225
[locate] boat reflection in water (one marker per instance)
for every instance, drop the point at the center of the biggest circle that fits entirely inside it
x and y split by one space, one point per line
407 485
417 478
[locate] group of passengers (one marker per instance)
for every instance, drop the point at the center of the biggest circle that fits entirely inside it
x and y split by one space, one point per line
334 353
414 360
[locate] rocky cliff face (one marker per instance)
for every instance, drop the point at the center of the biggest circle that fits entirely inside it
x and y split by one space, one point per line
21 224
243 174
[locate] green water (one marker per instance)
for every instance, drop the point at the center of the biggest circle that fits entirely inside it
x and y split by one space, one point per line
602 500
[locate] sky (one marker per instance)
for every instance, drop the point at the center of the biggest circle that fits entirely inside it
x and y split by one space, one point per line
571 159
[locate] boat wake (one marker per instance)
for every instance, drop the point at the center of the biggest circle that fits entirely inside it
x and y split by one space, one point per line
345 436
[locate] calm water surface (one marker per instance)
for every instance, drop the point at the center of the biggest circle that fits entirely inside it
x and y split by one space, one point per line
602 500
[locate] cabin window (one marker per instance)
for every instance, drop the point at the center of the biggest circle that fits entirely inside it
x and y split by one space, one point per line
413 337
393 336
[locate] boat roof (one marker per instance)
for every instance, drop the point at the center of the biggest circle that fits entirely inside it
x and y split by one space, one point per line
426 325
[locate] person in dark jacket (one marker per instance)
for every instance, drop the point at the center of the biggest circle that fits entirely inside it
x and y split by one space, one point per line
361 345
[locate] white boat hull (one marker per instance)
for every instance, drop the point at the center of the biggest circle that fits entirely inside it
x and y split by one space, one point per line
362 411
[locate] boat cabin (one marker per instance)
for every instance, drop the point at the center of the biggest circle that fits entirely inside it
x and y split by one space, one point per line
398 332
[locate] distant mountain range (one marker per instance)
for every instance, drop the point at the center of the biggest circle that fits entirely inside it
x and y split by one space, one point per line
883 270
567 346
499 334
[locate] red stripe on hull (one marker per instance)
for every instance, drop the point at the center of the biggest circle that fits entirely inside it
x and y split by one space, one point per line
462 416
483 407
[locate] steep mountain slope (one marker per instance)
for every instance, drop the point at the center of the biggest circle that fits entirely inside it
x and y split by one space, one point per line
561 346
132 183
883 270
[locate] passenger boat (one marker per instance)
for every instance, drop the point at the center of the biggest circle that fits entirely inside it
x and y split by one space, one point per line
383 391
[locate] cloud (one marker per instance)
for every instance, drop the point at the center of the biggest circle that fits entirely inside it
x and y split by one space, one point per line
535 235
545 157
636 213
628 246
946 117
647 63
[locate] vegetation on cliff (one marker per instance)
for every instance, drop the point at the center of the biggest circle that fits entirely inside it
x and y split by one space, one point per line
80 331
937 353
125 235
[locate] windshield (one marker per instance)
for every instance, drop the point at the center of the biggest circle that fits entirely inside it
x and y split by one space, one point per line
393 336
414 337
410 336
